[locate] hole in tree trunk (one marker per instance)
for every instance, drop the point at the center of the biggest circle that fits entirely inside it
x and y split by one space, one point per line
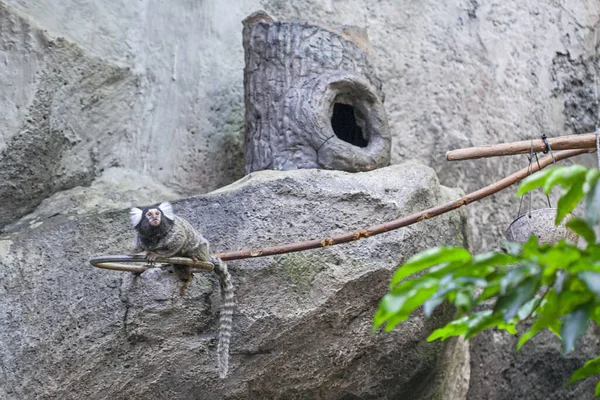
343 122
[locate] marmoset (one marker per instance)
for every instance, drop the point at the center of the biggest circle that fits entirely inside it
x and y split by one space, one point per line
162 233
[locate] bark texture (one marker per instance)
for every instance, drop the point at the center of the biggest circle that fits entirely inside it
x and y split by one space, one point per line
312 98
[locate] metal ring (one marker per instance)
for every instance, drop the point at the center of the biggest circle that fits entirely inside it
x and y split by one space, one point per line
113 263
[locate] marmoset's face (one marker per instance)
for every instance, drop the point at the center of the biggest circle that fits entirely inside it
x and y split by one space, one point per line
154 216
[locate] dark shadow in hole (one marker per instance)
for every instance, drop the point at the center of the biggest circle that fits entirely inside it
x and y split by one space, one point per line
345 127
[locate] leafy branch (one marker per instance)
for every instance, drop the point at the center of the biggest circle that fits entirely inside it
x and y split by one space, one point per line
555 286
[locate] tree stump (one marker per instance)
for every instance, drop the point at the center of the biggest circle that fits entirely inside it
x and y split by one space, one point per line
312 98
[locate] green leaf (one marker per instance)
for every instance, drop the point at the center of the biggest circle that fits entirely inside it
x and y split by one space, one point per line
555 327
570 299
430 305
492 258
517 297
597 392
593 251
591 177
592 367
531 248
548 318
379 318
560 256
393 321
397 307
440 270
595 315
565 176
574 325
513 248
391 303
527 308
454 328
569 200
527 336
409 284
592 205
463 301
516 275
428 258
581 227
535 181
482 323
469 325
559 281
584 265
491 290
416 299
591 280
508 327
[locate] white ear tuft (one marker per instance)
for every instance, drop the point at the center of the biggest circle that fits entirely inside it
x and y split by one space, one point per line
135 216
167 210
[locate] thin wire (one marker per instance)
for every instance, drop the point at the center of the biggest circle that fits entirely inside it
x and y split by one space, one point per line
596 66
539 168
521 199
529 170
598 146
553 161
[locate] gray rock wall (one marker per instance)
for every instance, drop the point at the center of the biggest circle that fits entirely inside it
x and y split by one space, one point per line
537 372
466 72
156 87
454 73
91 85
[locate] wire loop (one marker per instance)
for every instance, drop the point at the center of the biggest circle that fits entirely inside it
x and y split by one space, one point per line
114 263
530 157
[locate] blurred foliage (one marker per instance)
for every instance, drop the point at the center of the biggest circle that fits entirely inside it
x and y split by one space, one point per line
551 286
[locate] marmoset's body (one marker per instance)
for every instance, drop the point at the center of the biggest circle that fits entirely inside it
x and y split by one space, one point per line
162 233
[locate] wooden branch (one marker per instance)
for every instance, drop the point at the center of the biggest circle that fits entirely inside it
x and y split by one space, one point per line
403 221
523 147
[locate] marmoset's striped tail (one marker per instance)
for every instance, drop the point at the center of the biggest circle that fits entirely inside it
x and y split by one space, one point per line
226 320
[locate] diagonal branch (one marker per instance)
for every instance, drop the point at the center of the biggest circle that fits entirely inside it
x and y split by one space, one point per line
403 221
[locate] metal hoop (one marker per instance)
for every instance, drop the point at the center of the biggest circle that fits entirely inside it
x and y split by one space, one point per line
113 263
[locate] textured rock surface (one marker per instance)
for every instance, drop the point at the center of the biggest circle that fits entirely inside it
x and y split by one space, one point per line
69 110
312 99
116 188
538 372
302 324
56 130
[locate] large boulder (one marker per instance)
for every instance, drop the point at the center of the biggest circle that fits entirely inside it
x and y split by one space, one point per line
302 325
